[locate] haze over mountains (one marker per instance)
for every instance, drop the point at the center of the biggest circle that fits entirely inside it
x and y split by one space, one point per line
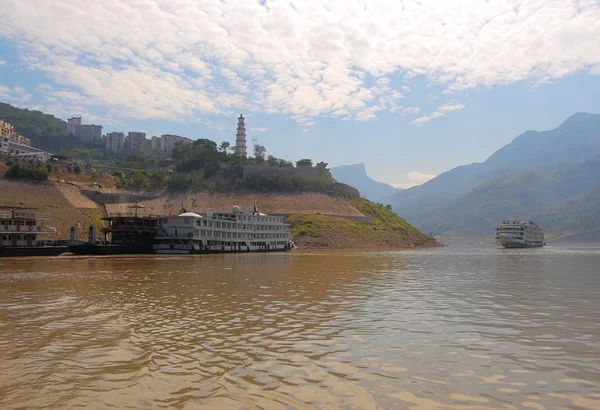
550 176
356 175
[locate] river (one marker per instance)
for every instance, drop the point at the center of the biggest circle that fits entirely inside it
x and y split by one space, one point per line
459 327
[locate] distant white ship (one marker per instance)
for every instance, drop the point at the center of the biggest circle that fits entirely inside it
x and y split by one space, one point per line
517 234
221 232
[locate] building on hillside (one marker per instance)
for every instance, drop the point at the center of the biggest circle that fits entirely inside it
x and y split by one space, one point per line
135 141
36 157
72 124
115 141
83 131
240 137
166 164
13 143
168 141
155 143
88 131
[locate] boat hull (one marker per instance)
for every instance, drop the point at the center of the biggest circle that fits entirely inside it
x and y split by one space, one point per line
212 251
89 249
32 251
518 244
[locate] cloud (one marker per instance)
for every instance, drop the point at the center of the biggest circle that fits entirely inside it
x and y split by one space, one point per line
2 62
16 95
258 129
440 112
403 186
450 107
417 176
426 118
184 59
411 110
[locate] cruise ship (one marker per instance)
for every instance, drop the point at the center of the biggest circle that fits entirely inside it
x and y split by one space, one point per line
221 232
517 234
19 232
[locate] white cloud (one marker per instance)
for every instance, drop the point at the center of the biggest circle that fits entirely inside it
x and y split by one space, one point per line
440 112
258 129
426 118
450 107
417 176
403 186
16 95
411 110
183 59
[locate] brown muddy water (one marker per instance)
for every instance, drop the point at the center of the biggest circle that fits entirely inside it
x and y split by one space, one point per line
460 327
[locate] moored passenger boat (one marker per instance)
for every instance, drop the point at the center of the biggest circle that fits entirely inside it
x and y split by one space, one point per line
517 234
123 235
19 233
221 232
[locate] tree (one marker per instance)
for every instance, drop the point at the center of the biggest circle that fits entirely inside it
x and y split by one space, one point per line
224 147
272 161
259 153
285 164
306 162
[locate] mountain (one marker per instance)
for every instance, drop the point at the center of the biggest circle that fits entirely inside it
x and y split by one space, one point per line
356 176
525 195
45 130
523 175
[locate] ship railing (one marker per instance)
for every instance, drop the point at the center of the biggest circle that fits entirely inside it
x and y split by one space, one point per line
27 228
129 215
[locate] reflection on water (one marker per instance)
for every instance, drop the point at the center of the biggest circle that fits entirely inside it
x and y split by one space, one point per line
449 328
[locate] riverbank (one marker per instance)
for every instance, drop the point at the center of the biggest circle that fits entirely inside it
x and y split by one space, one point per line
317 220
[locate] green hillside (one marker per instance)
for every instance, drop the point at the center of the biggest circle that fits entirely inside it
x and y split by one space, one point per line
386 229
576 218
45 130
564 202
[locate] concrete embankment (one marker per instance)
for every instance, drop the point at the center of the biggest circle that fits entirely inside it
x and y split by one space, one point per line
62 203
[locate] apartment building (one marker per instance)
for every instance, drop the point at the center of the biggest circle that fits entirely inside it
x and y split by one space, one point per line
115 141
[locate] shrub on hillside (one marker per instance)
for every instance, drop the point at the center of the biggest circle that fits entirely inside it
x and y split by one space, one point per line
27 172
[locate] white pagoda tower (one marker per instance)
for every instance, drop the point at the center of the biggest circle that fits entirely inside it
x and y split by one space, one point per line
240 137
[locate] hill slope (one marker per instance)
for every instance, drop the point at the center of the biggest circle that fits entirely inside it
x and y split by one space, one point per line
45 130
522 195
356 176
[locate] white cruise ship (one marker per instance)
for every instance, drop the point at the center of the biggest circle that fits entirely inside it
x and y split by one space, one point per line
221 232
517 234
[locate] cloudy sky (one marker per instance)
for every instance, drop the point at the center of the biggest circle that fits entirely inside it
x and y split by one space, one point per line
411 88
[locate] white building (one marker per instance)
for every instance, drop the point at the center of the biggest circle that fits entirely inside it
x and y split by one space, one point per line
72 124
88 131
240 137
83 131
12 143
168 141
40 156
136 141
115 141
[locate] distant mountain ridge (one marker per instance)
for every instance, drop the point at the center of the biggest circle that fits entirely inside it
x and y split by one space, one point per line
356 176
531 166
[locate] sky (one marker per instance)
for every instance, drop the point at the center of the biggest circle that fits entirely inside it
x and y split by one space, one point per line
410 88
